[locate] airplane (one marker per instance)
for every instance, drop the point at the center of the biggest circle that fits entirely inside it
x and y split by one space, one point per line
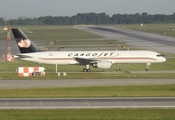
97 59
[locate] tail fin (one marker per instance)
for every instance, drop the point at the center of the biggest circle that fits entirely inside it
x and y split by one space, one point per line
24 44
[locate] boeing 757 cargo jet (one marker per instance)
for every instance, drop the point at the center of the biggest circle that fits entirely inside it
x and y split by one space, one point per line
97 59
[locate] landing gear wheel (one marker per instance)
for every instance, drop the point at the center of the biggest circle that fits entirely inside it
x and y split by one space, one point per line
147 66
146 69
118 70
86 70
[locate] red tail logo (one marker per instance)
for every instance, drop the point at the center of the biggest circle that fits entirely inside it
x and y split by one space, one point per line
24 43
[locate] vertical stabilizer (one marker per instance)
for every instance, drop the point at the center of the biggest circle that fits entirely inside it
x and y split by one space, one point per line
24 44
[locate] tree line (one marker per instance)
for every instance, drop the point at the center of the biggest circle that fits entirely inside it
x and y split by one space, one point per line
93 18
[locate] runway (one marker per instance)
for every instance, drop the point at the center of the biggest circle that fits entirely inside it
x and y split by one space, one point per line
132 38
76 103
135 35
12 84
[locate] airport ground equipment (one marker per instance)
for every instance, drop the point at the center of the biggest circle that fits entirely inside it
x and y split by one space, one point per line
30 71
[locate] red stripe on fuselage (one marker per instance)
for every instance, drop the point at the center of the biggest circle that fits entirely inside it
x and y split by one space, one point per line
99 58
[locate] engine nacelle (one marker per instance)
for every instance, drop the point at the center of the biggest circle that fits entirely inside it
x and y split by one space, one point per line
102 64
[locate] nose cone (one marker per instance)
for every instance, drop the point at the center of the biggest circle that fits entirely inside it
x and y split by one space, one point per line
163 59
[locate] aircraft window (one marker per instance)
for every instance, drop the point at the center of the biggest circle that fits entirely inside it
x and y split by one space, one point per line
159 55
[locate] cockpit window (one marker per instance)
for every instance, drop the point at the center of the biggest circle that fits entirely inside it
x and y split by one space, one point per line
159 55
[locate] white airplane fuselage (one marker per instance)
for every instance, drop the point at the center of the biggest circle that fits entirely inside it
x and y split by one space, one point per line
69 57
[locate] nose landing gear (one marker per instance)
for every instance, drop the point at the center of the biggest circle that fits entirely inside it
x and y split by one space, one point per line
147 66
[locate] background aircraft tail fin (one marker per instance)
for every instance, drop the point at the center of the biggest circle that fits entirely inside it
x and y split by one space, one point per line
24 44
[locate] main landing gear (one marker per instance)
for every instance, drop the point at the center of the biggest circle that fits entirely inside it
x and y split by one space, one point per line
147 66
87 68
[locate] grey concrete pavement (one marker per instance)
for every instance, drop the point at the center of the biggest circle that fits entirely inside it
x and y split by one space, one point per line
55 103
9 84
149 41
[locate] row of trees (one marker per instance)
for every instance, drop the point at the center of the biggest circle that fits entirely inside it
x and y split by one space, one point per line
93 18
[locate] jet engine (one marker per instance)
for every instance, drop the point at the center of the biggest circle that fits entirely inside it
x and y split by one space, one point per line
102 64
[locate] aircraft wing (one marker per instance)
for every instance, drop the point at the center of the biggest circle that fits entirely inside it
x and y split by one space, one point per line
86 60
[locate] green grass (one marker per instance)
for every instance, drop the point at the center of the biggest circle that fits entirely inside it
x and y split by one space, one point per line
167 90
84 44
48 76
68 37
8 70
169 65
89 114
51 33
65 37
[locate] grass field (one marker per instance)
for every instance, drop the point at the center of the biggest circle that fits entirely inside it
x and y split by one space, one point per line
68 37
169 65
68 32
51 33
89 114
49 76
94 91
65 37
8 70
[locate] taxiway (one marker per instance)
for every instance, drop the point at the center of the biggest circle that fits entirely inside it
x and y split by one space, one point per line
67 103
10 84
